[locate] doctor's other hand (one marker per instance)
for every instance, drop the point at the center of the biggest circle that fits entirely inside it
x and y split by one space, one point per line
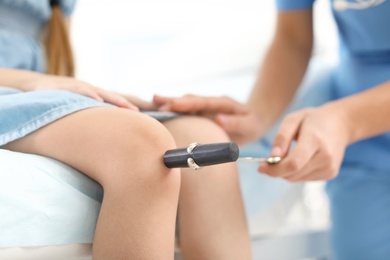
241 123
321 134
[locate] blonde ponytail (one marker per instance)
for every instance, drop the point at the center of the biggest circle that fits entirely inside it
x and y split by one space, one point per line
58 49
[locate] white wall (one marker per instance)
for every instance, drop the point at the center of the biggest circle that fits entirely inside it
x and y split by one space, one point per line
138 45
154 46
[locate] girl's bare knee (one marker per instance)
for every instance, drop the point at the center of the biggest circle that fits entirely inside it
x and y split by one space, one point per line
134 152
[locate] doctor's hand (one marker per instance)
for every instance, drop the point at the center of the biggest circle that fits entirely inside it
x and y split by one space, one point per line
321 136
240 122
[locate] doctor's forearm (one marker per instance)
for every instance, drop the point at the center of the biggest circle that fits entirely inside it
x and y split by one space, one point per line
284 66
367 113
282 72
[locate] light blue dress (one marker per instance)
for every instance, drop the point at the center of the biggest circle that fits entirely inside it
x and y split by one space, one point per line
360 195
21 24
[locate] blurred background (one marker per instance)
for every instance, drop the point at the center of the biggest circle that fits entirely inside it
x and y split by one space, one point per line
206 47
155 46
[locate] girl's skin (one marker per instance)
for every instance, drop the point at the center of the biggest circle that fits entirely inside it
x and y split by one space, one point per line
211 214
321 134
137 216
124 154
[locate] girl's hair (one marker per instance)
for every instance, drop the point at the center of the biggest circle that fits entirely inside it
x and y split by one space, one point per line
58 49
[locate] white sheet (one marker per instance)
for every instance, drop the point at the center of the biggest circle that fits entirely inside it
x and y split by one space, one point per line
64 252
44 202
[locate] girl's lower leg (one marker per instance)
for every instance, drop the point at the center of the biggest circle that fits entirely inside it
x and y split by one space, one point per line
212 222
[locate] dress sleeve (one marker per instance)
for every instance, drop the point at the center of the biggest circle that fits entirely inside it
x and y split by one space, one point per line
67 6
284 5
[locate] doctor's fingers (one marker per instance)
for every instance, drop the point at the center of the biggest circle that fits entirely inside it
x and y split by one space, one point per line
301 155
317 169
192 103
317 174
287 132
323 167
292 165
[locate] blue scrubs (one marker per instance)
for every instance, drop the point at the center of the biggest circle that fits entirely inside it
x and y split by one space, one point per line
360 195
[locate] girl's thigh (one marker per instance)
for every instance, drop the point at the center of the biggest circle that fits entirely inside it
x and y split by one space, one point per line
96 141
